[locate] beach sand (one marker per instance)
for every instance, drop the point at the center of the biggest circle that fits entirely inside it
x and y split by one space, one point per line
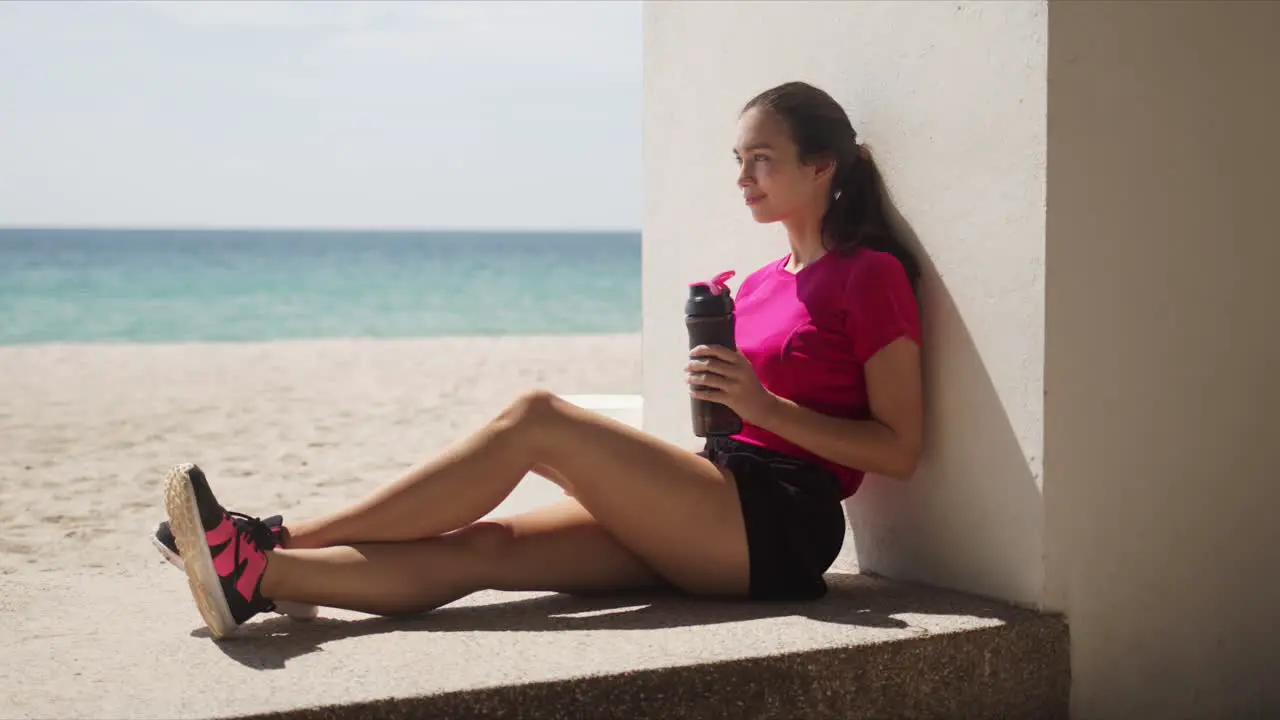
298 428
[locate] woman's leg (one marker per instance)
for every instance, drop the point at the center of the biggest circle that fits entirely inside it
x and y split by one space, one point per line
558 548
672 508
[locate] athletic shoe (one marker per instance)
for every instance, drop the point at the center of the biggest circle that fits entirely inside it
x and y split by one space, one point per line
224 555
168 548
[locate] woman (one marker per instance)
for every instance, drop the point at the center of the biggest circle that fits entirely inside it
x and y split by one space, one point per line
826 380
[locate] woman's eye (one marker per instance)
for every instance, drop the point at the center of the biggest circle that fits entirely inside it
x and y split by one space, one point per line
760 158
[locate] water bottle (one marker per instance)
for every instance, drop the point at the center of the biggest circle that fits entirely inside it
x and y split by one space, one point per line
708 315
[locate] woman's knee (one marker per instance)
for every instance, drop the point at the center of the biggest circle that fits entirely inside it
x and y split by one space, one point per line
535 409
538 403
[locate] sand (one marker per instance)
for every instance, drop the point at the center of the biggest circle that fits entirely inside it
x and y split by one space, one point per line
298 428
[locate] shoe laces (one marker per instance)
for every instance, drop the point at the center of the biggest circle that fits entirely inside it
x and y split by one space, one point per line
263 538
261 534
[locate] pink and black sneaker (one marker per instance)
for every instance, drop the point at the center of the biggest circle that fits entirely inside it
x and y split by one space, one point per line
165 543
224 555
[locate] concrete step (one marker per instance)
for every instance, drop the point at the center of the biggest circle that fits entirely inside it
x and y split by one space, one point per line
129 644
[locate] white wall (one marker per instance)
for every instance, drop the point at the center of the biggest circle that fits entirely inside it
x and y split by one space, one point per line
1149 356
1163 470
951 96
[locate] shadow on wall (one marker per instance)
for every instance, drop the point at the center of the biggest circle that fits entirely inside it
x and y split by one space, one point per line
972 517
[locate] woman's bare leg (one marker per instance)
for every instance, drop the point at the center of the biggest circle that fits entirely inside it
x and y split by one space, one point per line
673 509
559 548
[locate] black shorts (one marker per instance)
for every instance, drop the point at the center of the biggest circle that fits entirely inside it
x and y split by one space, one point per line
793 514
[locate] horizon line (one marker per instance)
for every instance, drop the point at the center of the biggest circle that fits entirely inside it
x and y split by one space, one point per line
321 228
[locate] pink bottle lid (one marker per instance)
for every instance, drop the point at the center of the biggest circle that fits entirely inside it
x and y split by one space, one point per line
716 284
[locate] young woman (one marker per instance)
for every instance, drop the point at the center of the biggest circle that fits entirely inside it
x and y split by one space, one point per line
826 380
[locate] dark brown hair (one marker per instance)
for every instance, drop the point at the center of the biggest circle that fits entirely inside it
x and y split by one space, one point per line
820 128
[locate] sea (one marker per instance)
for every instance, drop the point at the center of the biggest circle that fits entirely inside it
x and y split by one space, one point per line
162 286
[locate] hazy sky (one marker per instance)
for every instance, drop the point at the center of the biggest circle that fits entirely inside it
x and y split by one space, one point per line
243 114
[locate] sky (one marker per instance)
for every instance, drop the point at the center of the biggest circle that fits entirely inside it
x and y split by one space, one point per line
423 115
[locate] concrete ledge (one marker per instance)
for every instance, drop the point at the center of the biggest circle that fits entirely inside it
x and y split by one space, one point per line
623 408
130 644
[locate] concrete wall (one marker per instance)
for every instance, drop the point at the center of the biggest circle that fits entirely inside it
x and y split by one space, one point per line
1163 348
951 96
1134 159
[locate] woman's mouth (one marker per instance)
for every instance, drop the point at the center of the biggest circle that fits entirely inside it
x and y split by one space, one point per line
753 199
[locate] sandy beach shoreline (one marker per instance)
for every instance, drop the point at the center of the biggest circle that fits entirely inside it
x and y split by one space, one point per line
293 427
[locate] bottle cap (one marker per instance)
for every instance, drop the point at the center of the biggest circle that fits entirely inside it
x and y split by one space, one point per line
710 297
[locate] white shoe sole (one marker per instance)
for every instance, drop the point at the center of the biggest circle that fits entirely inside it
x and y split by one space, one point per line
294 610
173 558
189 534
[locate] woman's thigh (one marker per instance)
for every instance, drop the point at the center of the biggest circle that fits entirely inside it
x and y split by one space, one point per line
672 508
561 548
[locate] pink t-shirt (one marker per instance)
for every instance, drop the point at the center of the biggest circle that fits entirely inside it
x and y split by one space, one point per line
809 334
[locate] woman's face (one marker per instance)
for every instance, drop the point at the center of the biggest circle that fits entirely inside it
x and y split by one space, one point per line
775 184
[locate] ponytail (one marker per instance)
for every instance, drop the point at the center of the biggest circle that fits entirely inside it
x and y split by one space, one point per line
855 215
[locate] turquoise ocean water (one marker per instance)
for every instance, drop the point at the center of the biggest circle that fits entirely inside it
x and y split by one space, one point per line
230 286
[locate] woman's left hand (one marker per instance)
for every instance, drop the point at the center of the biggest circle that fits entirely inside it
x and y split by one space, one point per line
726 377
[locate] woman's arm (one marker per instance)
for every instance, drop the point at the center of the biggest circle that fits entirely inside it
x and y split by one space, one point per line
887 445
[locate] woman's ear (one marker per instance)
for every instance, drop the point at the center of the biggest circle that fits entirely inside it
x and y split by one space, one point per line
824 168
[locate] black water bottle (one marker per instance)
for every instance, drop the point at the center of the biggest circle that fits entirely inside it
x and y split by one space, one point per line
708 315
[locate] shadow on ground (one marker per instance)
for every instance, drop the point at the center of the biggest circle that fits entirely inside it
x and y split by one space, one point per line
853 600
